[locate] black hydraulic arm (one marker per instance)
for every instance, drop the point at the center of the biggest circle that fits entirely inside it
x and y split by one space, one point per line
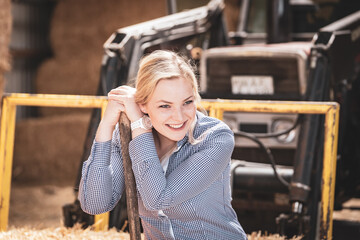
331 61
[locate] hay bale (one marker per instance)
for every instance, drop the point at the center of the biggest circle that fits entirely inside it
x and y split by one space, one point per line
84 25
71 76
5 30
76 76
259 236
49 149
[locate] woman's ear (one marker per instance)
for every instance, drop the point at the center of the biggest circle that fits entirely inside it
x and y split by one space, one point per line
143 108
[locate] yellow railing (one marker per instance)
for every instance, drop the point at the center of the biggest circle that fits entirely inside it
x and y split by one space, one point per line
215 109
331 112
8 114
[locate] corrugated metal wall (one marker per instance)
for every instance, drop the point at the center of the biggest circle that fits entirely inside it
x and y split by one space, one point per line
29 46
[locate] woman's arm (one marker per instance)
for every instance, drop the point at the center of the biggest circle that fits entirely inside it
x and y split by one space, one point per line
190 178
102 181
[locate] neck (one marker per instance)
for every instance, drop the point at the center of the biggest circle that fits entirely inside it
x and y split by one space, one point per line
163 144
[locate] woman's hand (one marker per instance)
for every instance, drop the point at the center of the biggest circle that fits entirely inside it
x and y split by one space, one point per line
121 99
124 97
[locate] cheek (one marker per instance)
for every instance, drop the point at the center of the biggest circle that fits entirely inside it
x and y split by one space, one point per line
158 117
190 112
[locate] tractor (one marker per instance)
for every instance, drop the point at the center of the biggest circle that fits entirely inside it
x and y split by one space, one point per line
277 160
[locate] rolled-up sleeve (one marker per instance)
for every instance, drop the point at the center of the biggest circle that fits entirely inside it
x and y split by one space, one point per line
102 181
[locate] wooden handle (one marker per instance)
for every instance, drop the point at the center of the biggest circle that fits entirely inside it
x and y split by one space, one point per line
130 185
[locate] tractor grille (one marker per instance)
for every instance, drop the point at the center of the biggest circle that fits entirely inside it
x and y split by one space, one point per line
253 127
283 71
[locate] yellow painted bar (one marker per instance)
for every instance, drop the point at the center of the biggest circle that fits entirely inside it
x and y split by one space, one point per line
205 105
271 106
10 137
101 222
329 172
54 100
4 190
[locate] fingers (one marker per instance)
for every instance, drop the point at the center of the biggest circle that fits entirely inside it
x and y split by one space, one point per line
123 99
123 90
122 93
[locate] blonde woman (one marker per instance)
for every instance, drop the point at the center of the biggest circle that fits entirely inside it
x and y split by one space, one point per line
180 157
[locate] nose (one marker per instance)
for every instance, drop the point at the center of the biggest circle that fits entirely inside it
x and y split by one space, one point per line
178 115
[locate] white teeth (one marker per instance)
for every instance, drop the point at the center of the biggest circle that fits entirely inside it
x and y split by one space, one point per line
176 126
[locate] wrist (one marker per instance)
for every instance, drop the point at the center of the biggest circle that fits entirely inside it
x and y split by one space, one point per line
143 123
104 132
135 116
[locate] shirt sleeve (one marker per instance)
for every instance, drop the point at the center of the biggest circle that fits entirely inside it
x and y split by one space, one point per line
102 180
190 178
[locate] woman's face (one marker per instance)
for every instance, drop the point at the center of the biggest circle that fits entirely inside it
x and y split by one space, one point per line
171 108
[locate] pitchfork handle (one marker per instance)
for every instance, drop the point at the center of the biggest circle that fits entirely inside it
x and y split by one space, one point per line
130 185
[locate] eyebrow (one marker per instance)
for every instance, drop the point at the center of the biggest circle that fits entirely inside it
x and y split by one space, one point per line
164 101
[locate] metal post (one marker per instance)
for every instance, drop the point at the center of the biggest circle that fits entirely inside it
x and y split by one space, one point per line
7 145
329 173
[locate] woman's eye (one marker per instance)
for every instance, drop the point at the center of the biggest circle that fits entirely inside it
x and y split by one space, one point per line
164 106
189 102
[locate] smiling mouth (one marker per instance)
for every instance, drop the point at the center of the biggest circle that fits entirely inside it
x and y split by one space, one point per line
177 126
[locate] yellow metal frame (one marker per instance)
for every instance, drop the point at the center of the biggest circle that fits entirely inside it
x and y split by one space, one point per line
7 134
331 112
215 109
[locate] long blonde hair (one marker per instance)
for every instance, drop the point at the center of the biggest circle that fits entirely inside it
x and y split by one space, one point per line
164 64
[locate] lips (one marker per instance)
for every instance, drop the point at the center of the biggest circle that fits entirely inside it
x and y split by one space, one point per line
177 126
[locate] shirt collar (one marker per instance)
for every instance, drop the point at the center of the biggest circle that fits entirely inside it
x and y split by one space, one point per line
185 139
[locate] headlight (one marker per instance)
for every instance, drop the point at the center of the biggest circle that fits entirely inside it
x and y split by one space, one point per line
280 125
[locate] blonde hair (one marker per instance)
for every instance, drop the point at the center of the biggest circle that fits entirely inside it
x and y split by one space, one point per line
164 64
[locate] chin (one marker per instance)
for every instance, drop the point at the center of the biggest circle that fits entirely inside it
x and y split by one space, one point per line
178 137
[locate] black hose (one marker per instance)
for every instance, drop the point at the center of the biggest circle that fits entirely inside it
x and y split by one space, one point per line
272 135
254 137
267 152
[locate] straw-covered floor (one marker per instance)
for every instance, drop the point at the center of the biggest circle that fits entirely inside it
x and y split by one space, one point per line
76 233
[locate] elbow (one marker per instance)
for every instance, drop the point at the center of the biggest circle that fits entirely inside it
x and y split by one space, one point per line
160 203
151 206
230 142
90 209
87 210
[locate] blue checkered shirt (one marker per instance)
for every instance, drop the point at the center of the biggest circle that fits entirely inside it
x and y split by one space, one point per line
191 200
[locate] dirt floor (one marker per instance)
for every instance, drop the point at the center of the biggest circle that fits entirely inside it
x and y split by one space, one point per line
38 206
41 206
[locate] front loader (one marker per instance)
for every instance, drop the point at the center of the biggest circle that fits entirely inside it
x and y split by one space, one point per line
277 164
